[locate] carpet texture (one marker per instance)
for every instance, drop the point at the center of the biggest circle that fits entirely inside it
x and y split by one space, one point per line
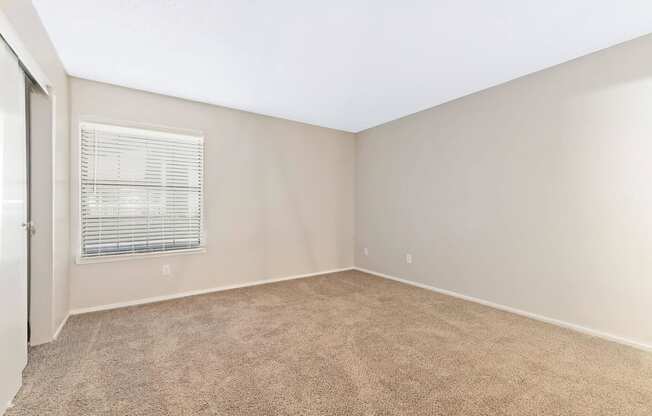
340 344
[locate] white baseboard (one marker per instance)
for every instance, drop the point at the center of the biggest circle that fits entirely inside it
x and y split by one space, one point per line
58 331
51 337
154 299
563 324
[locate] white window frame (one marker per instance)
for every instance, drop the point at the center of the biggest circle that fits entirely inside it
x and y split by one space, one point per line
152 131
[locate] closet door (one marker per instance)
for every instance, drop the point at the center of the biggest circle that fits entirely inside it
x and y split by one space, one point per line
13 226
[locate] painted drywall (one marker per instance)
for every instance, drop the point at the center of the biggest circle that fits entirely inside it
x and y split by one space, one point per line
41 305
534 194
278 198
51 200
339 63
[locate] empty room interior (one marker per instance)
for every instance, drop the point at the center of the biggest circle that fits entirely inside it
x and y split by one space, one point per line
325 207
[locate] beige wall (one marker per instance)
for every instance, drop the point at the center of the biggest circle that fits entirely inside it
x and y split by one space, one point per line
535 194
42 320
279 198
52 178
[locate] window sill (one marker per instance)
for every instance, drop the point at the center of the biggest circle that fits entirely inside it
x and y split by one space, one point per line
126 257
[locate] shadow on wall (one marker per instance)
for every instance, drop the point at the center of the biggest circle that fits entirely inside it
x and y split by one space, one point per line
282 198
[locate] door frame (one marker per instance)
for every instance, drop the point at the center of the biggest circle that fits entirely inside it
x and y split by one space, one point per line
28 199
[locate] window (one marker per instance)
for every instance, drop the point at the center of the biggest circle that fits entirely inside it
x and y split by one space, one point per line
141 191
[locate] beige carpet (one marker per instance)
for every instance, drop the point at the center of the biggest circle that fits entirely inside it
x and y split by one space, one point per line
341 344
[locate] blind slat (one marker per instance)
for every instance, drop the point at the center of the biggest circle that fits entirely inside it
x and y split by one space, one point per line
141 191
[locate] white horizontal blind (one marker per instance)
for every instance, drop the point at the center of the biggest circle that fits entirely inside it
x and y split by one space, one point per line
141 191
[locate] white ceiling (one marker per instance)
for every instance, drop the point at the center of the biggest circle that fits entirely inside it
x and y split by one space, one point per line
345 64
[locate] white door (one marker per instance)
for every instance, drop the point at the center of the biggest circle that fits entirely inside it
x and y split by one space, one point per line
13 235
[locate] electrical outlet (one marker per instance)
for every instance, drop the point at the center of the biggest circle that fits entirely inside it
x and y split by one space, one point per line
408 258
366 251
166 270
